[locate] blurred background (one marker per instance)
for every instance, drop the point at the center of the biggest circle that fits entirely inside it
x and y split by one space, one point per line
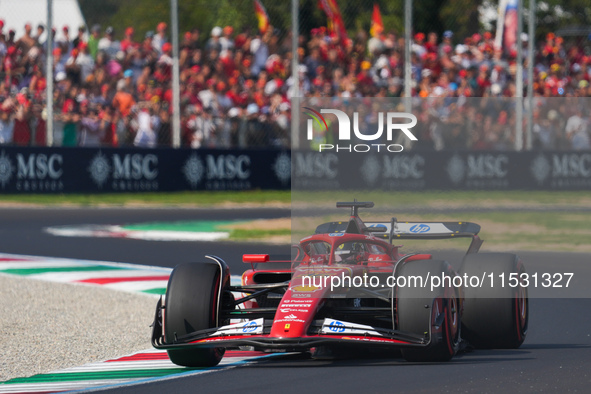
200 74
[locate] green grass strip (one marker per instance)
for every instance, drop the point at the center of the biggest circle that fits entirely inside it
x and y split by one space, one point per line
206 199
467 197
192 226
197 199
241 234
43 270
158 291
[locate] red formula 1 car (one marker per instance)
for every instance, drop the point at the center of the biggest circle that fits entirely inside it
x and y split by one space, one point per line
347 287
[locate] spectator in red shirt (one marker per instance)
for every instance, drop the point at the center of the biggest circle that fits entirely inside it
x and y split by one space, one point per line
127 43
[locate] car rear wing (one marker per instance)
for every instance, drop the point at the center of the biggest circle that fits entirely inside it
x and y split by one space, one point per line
412 230
423 230
408 230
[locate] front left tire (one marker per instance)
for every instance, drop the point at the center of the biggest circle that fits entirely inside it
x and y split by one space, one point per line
192 303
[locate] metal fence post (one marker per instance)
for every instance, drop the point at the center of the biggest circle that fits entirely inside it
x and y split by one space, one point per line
176 112
407 55
519 81
49 76
295 113
530 73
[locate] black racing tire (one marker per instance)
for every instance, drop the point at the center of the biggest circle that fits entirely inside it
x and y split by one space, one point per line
494 317
417 306
192 304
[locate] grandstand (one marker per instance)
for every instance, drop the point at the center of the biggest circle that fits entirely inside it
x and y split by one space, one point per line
114 87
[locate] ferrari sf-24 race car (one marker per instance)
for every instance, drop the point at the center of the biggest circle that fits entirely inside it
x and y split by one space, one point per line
320 300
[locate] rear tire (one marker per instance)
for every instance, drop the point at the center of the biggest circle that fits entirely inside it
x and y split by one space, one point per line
192 304
495 317
418 306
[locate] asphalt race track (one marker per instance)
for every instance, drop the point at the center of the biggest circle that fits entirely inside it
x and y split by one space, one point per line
554 358
21 232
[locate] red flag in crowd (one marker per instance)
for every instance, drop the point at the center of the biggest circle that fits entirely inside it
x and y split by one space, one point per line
377 26
262 16
506 37
335 19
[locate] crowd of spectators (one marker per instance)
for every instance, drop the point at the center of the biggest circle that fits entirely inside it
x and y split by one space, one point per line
111 89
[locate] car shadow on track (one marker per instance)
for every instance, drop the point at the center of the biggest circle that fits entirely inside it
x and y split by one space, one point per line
552 346
304 360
